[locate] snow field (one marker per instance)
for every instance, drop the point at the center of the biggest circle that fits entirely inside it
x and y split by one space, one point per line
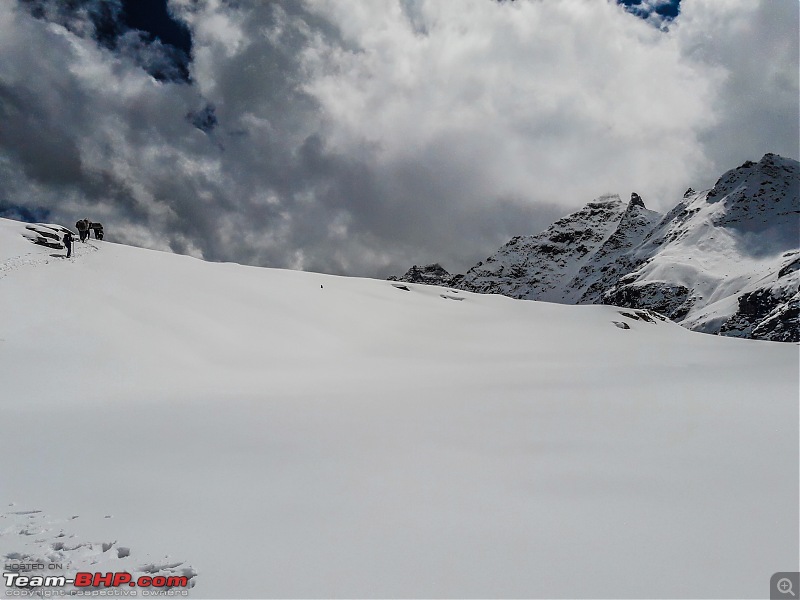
290 434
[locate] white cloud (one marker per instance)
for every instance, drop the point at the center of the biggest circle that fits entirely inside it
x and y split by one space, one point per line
533 94
360 137
755 45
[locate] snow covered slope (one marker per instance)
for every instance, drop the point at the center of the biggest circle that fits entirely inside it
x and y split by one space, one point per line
722 261
275 433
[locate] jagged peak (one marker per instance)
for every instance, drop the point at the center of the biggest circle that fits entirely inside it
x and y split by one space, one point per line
433 273
771 167
602 205
431 268
636 200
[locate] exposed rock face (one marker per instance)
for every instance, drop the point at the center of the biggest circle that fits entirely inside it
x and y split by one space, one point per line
763 315
541 267
673 301
722 261
769 312
47 234
791 266
636 200
433 274
614 259
575 260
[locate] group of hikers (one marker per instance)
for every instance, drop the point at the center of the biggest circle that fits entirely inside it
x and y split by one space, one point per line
84 227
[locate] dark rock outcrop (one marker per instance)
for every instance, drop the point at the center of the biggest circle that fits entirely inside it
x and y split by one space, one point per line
671 300
765 315
636 200
433 274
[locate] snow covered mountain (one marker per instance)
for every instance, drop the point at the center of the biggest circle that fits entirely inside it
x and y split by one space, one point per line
269 433
559 264
722 261
433 274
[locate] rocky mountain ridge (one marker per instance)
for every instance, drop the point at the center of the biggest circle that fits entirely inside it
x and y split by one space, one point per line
433 274
722 261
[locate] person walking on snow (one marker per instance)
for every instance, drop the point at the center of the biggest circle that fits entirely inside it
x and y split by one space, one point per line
68 243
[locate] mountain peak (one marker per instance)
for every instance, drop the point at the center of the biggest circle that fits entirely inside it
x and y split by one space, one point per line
636 200
432 274
760 200
722 260
541 266
753 179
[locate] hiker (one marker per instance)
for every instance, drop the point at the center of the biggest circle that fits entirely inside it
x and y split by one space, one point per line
68 243
84 229
98 230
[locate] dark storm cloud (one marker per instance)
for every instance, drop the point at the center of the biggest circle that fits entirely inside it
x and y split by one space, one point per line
361 137
142 30
36 139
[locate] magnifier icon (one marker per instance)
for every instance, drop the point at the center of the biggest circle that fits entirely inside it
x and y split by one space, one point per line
785 586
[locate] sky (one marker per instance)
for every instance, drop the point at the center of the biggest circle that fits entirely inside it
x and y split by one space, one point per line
359 138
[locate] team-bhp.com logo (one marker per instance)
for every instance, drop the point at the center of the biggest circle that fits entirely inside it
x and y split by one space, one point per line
88 580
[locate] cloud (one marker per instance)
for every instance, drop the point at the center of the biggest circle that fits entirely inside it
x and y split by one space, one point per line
756 47
359 138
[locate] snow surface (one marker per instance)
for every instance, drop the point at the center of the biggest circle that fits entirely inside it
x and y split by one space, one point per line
286 434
